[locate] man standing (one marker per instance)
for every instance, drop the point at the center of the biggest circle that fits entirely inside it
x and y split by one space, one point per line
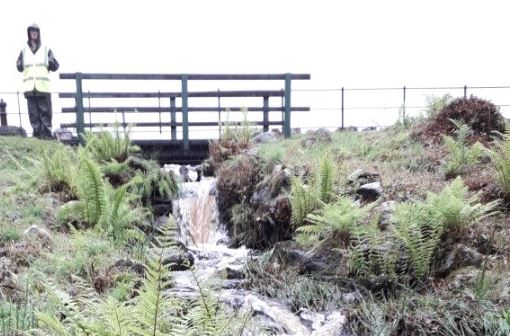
36 61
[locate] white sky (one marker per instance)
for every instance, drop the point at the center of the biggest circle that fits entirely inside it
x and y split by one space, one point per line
340 43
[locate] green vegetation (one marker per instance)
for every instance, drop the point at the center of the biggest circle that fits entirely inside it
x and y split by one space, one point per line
460 154
69 280
397 228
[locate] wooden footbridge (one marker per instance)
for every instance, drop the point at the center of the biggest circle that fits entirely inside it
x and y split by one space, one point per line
168 122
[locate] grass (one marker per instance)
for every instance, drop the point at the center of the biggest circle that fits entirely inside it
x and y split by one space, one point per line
79 262
408 171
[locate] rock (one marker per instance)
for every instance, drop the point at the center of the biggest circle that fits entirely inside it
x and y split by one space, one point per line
266 137
313 320
179 260
63 134
207 168
162 208
12 130
352 297
312 137
234 274
188 173
464 277
459 256
333 326
347 129
370 192
34 233
276 318
386 210
369 129
362 176
9 289
287 253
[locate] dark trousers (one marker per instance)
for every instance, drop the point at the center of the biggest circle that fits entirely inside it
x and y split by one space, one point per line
40 112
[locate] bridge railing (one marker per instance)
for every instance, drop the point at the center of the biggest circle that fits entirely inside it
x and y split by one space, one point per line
184 95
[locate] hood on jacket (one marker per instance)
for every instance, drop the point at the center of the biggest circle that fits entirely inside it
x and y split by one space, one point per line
34 26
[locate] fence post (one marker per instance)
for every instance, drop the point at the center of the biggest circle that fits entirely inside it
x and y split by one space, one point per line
159 111
286 124
404 105
19 110
90 112
80 123
465 91
343 108
219 115
3 113
173 128
185 125
265 112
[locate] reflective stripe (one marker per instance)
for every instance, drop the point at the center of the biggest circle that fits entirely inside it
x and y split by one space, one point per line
36 78
31 65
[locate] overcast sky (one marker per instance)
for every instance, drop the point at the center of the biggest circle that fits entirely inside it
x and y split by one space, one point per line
340 43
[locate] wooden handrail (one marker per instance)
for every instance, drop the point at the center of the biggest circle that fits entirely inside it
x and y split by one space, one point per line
144 109
215 94
131 76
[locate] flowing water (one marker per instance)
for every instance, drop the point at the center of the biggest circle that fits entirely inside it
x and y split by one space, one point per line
206 238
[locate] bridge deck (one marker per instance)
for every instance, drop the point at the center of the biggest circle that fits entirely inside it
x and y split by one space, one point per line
169 151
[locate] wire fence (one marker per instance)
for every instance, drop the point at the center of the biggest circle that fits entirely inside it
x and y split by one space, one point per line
332 108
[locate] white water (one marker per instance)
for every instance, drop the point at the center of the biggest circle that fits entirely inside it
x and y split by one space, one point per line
206 238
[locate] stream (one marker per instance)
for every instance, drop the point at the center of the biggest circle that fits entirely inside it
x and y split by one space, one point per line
206 239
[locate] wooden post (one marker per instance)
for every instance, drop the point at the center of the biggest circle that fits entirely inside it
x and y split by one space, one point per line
219 115
265 112
173 119
286 124
3 113
185 124
80 123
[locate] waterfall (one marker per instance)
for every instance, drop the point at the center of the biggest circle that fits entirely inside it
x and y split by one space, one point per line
206 238
197 215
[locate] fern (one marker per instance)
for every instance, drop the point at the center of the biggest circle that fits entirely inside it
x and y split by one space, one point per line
115 168
59 170
457 210
339 218
106 147
153 183
500 157
303 201
460 154
76 310
16 318
91 190
419 229
371 253
119 217
206 316
326 178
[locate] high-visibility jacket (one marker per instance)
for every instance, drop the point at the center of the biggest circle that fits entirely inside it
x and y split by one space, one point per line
35 70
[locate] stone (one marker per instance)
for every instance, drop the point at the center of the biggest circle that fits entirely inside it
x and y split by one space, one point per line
35 233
